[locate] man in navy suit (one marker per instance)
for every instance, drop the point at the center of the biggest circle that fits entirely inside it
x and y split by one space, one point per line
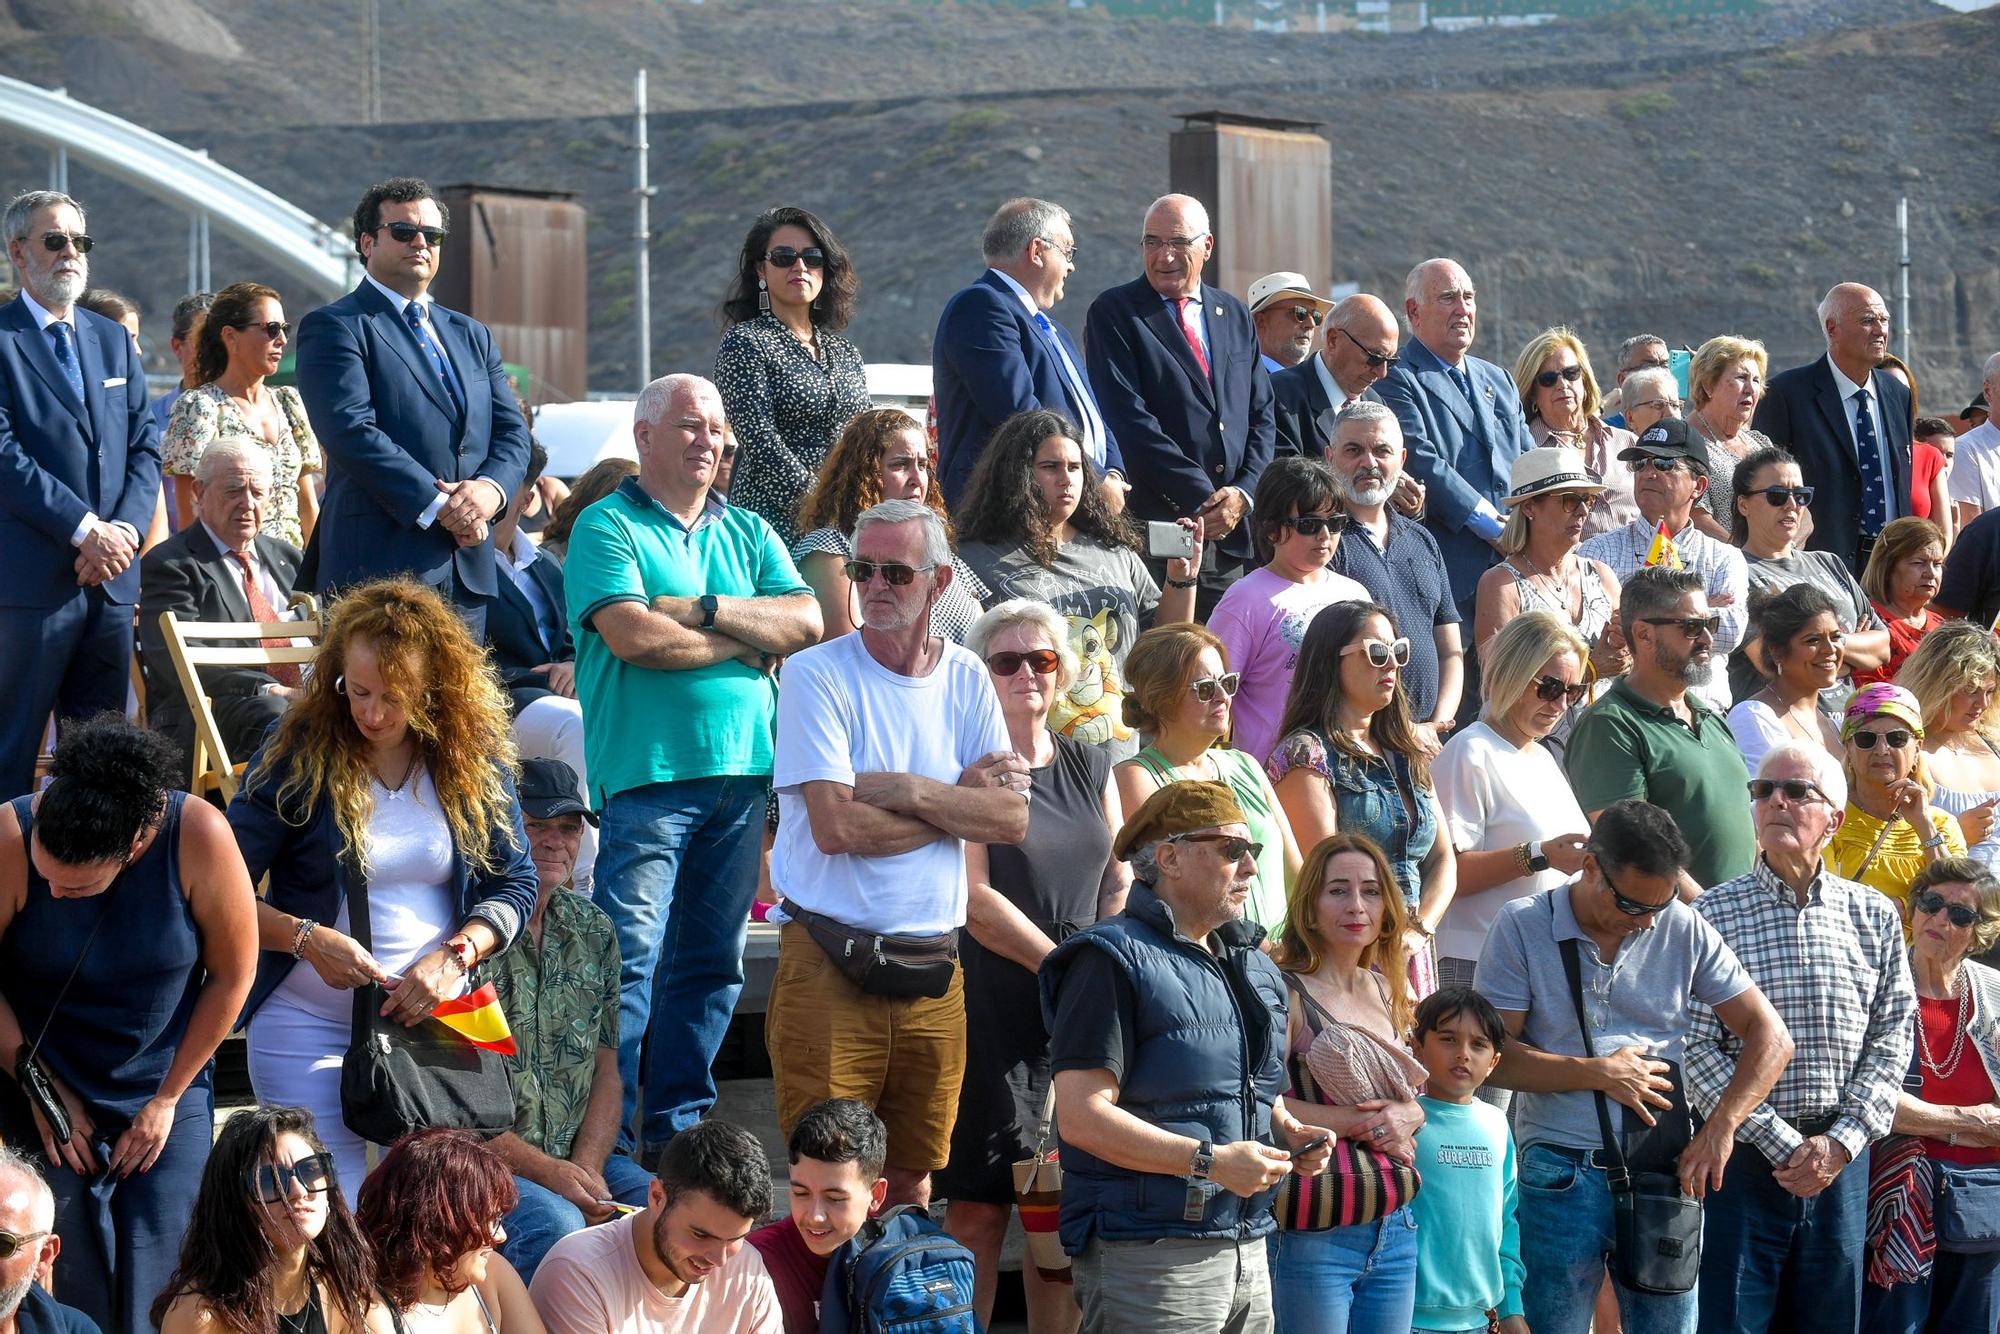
1848 425
1178 372
1360 349
423 438
79 477
997 352
1461 420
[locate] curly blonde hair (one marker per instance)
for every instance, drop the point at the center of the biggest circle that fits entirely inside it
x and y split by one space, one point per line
438 674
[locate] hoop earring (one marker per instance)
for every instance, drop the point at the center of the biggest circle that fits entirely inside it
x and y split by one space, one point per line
340 685
763 298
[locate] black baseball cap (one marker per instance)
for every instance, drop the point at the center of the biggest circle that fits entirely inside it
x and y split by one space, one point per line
548 788
1666 438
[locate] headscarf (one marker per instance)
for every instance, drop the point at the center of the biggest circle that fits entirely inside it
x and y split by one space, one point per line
1882 699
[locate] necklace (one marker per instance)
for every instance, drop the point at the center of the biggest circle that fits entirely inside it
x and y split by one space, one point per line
396 793
1944 1069
1707 432
1566 589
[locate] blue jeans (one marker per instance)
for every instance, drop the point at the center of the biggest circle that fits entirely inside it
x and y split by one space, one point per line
1963 1292
1361 1278
1566 1231
1772 1261
676 873
543 1218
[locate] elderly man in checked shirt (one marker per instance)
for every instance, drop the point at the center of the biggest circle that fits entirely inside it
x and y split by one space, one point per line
1782 1245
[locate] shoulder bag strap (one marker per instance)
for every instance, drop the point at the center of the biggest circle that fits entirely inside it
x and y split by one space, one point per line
25 817
1619 1178
365 1010
1317 1017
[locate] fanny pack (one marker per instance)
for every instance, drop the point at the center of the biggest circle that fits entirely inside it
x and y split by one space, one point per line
881 965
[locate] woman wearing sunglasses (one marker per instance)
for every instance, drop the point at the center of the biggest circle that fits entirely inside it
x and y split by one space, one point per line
1025 899
1770 516
1953 1121
789 382
1181 696
1953 674
271 1244
1348 756
238 344
1891 830
1903 574
1514 825
1560 397
1797 642
1725 384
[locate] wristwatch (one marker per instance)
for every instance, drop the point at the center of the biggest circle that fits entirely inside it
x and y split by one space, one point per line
1204 1161
707 603
1537 859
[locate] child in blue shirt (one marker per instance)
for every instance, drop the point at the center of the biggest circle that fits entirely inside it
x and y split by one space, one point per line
1468 1249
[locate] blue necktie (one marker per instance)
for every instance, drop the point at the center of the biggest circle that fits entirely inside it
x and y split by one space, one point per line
1093 425
414 313
1869 457
66 358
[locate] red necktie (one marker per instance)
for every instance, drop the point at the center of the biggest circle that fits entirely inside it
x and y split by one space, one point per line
285 673
1189 313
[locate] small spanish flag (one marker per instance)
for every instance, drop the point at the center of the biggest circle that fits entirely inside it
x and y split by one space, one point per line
1663 553
477 1017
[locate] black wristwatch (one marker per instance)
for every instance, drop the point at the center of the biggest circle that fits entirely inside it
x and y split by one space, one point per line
1204 1161
1537 859
708 604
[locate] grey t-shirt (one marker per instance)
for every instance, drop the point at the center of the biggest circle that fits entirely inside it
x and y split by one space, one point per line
1830 575
1640 999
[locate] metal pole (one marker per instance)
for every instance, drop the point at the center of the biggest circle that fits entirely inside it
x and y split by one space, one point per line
194 253
643 238
204 285
1903 274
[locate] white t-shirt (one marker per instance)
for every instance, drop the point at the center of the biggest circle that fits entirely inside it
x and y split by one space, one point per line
1756 727
1261 620
1975 468
590 1282
841 713
1495 796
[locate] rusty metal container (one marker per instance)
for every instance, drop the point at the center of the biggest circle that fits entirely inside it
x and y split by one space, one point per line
515 262
1268 185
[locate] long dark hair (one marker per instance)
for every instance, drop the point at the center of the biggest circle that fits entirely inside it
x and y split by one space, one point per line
1739 486
1314 702
230 310
226 1256
1003 506
831 309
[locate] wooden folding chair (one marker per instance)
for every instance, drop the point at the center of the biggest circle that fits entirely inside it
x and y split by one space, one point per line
213 769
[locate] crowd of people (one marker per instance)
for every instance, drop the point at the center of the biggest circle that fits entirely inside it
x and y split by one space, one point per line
1447 847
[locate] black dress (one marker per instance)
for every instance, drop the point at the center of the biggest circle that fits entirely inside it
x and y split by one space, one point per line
1053 876
787 408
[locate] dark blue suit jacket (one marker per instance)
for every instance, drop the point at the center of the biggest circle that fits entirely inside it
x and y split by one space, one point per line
391 433
302 851
1802 412
1304 412
61 459
1183 435
516 637
1462 452
989 362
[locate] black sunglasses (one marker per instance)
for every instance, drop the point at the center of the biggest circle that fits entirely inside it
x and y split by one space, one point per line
1631 907
784 256
270 328
1312 525
1307 315
1645 461
53 242
272 1182
1041 661
1795 790
1374 358
1929 901
407 232
1231 847
1205 688
1690 625
893 574
1547 379
1547 688
1778 495
1896 737
12 1242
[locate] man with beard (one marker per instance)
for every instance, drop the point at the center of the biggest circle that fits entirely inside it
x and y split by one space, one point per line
1396 559
678 1266
28 1219
1652 738
79 477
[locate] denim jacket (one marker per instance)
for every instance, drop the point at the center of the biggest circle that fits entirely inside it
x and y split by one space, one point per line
1368 800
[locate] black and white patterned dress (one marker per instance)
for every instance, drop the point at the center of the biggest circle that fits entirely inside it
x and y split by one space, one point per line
787 409
955 611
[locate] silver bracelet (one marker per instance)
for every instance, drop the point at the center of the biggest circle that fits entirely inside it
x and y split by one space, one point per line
300 935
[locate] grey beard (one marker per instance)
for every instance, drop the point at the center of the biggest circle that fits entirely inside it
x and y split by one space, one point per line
67 289
1698 673
11 1299
1361 494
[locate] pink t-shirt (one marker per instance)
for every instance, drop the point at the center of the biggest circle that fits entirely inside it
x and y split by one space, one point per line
591 1283
1261 619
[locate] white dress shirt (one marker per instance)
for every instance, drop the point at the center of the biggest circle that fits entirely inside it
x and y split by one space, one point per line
1072 376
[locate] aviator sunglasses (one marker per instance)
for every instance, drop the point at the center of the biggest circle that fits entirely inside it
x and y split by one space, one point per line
1374 359
893 574
53 242
272 1182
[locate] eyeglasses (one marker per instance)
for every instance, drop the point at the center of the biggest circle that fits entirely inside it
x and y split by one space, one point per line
1547 688
1041 661
1896 737
1663 404
1180 243
1307 315
1625 903
1231 847
273 329
1645 461
406 232
1547 379
893 574
1571 501
1928 902
1380 653
1312 525
1068 252
1795 790
1778 495
12 1242
783 257
53 242
1205 687
1650 364
271 1182
1690 625
1375 359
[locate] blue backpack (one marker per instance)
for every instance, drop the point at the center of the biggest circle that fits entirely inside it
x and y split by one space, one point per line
902 1274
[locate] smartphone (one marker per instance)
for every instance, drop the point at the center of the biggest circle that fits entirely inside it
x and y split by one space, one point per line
1313 1145
1167 541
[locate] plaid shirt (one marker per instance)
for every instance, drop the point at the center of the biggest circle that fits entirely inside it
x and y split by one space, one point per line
1721 567
1838 974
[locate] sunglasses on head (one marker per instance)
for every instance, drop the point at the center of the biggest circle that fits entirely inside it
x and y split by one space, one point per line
11 1243
1312 525
406 232
269 328
1548 688
1896 737
1645 461
1205 687
1778 495
53 242
893 574
1041 661
1230 846
1690 625
1795 790
784 256
1379 653
272 1182
1931 901
1374 358
1547 379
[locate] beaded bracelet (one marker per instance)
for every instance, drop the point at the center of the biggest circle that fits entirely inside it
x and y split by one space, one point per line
300 935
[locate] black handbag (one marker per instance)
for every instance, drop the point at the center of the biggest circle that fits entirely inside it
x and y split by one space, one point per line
896 966
1656 1227
395 1079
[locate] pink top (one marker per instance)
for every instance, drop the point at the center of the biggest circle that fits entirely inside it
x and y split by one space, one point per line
1261 620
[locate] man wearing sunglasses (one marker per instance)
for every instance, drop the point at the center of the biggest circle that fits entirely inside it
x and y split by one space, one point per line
1287 313
79 478
28 1250
1360 348
1783 1245
424 438
1642 959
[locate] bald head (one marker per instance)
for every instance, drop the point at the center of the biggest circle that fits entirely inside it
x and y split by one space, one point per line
1440 305
1856 323
1361 340
1176 243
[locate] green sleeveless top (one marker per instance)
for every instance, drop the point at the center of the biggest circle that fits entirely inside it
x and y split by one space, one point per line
1261 814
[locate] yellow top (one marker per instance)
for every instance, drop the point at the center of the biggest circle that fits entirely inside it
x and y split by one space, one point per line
1900 857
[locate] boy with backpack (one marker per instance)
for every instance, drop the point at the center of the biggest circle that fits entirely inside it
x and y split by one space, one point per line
836 1152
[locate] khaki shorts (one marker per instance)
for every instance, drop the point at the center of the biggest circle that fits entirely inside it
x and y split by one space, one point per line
829 1039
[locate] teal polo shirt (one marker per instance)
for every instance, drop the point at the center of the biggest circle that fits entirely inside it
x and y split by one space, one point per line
1627 746
642 725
